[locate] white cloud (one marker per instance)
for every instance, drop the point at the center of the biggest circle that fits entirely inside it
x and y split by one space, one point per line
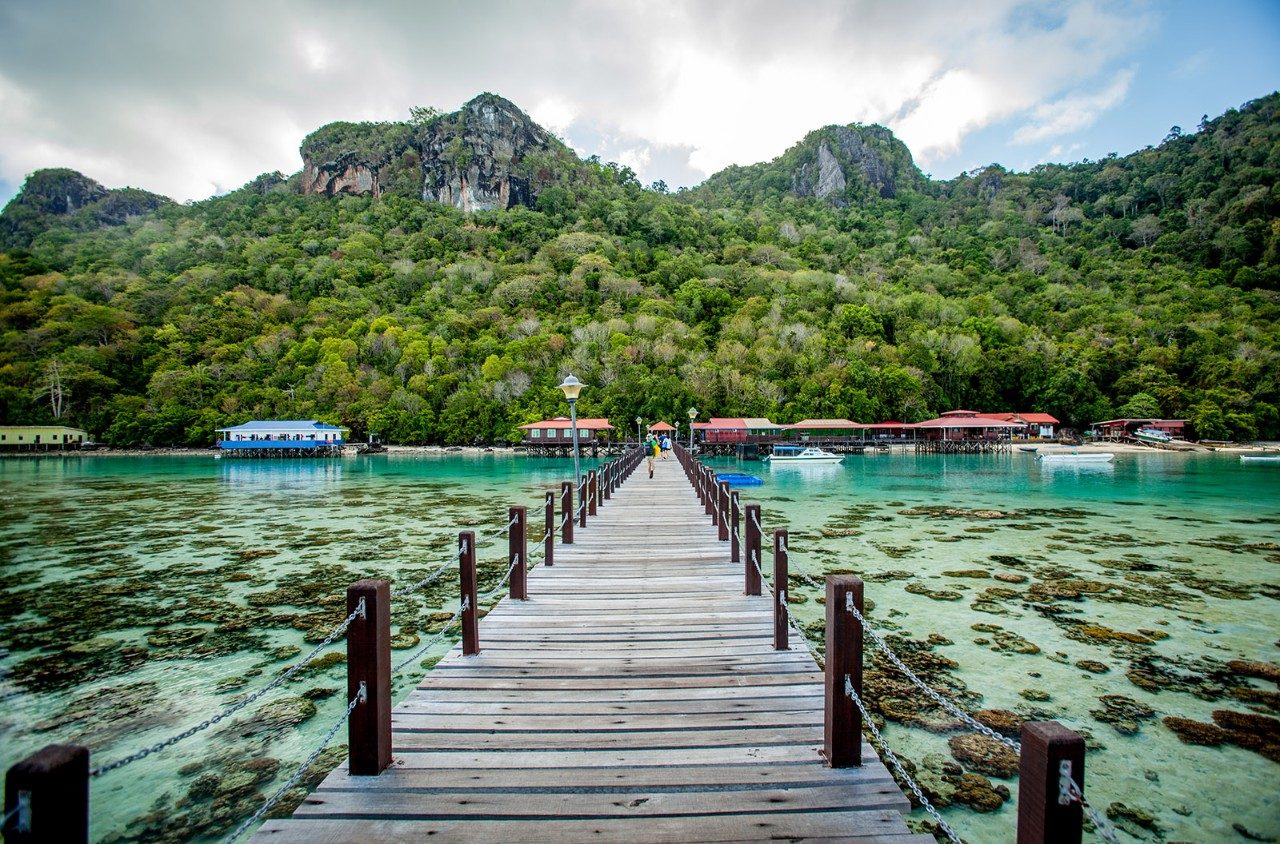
175 97
1074 112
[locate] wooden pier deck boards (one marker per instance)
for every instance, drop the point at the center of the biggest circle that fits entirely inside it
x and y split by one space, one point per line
635 697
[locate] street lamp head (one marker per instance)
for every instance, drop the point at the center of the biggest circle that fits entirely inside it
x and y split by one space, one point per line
639 421
693 413
571 387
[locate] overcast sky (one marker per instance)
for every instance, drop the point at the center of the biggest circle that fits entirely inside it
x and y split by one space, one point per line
190 99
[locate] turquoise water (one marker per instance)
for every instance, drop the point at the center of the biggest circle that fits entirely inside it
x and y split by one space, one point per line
144 594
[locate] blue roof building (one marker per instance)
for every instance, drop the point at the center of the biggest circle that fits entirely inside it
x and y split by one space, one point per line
282 438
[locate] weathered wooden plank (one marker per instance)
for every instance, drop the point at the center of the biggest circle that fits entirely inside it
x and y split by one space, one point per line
870 827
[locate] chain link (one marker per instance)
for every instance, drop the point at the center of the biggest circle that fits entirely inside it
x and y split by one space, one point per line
232 710
946 704
466 602
1101 824
883 747
515 560
361 697
424 583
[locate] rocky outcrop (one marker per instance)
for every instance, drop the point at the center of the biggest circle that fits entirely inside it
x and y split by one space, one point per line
868 155
487 155
477 158
67 198
841 165
346 175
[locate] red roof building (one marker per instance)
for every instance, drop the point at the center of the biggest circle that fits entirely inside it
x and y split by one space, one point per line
1036 424
661 428
965 425
1118 428
559 430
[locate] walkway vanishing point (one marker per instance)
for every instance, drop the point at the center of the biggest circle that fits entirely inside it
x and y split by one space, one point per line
636 696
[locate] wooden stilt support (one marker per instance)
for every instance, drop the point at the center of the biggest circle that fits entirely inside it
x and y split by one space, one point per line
467 579
369 673
842 744
751 559
518 550
1046 815
49 793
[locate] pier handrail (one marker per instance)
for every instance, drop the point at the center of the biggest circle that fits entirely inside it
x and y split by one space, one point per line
54 772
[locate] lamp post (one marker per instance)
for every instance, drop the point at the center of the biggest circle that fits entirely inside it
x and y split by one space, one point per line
571 387
639 434
693 414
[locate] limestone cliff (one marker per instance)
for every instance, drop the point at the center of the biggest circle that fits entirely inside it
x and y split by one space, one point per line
484 156
489 154
842 165
66 198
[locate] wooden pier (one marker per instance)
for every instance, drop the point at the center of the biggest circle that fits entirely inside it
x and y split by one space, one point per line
635 696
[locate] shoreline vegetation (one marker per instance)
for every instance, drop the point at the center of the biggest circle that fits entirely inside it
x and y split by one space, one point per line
352 449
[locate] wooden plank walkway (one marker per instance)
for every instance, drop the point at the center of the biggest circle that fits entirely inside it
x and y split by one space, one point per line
635 697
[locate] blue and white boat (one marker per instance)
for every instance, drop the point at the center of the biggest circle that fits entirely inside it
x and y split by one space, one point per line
795 454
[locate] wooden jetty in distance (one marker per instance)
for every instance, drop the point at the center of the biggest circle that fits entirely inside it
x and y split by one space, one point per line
635 696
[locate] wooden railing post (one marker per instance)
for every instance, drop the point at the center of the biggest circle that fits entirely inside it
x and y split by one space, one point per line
843 722
467 579
722 511
518 550
549 535
1043 817
709 493
780 555
582 501
50 792
607 486
566 511
369 665
592 493
752 557
735 525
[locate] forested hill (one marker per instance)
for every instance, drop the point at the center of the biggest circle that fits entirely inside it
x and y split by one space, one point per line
835 281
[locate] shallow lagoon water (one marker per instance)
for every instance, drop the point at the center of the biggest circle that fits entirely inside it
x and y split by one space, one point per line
144 594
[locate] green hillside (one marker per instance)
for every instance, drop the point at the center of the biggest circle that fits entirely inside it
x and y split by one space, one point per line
835 281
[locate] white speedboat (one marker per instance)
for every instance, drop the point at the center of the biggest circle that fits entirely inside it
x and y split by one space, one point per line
1249 458
794 454
1151 435
1066 457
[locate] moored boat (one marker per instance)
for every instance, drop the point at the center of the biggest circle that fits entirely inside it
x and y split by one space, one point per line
794 454
1259 458
1029 449
1151 435
1076 457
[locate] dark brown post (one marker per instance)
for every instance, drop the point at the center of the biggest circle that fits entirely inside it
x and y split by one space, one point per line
50 791
606 487
780 555
735 524
549 535
467 578
592 493
582 502
709 493
722 511
752 557
518 550
566 511
1043 817
843 722
369 665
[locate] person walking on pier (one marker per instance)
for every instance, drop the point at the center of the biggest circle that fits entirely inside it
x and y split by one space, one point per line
666 446
651 451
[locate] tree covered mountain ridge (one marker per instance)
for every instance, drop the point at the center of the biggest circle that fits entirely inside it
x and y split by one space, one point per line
433 280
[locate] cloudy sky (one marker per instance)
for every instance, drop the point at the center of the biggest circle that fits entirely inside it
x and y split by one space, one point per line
190 99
